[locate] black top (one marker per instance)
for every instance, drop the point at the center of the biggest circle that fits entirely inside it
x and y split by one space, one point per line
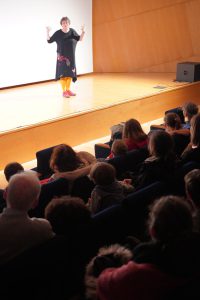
178 256
66 45
191 154
156 169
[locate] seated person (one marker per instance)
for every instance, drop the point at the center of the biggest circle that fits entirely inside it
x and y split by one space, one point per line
116 133
173 126
192 188
189 110
18 232
66 213
161 164
10 170
119 148
65 162
192 151
108 191
112 256
168 261
133 135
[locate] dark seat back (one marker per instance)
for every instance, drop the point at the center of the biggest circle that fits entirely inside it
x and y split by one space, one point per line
41 272
137 205
50 190
180 142
100 151
178 111
82 187
129 162
43 158
179 184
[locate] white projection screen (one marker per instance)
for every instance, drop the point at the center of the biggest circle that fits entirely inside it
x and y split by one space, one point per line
25 55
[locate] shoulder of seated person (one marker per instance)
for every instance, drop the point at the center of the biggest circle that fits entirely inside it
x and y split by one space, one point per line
151 159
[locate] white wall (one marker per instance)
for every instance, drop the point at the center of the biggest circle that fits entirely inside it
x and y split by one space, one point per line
25 55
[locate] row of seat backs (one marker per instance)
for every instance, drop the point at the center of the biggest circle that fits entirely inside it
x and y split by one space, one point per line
129 218
43 159
111 225
129 161
82 188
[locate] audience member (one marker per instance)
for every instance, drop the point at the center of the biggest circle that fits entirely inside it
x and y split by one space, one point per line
66 163
192 151
12 169
18 232
161 164
113 256
190 109
119 148
173 126
66 214
108 191
133 135
169 260
192 188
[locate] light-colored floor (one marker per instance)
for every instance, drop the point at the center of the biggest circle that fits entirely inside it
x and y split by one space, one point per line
83 147
35 104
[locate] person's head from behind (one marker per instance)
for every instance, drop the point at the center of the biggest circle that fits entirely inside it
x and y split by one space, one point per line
64 159
113 256
169 217
192 187
65 23
12 169
23 191
160 144
103 173
119 148
172 121
195 130
67 213
133 130
190 109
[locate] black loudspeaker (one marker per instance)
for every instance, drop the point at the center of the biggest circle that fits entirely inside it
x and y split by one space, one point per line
188 71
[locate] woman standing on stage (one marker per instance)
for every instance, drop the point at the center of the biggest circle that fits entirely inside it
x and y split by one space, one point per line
66 39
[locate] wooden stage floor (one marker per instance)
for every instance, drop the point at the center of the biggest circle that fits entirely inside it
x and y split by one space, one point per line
35 117
34 104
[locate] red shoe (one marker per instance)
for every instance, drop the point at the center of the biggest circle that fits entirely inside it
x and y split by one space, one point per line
66 94
71 93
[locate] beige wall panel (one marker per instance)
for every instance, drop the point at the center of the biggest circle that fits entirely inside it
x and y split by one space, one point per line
109 10
154 40
193 12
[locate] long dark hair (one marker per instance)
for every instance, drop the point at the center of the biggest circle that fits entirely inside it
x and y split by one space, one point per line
64 158
161 144
195 130
172 120
133 130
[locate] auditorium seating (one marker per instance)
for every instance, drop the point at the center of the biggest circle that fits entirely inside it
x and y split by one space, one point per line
178 187
43 157
176 110
129 162
50 190
116 222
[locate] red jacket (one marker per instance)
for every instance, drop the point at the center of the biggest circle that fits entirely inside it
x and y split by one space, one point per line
135 281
